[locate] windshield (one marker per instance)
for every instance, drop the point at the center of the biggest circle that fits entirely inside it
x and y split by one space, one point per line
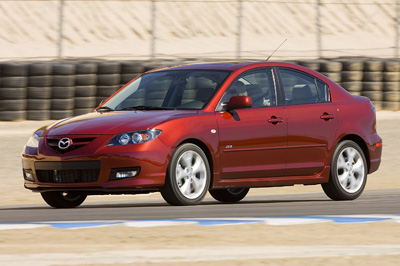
173 89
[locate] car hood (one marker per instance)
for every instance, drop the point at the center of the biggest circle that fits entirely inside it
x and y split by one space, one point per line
114 122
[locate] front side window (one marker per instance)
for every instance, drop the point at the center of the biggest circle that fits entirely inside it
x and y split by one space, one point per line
258 85
301 88
173 89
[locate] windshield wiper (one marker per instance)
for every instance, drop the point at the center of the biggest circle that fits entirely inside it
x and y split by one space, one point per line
104 109
143 107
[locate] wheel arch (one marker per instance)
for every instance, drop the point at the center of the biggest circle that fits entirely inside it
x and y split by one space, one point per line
360 142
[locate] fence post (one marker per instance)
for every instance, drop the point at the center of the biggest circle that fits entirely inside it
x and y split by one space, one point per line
153 28
61 28
397 27
319 31
239 30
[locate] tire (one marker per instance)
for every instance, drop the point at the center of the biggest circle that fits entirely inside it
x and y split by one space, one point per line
391 66
60 114
85 79
40 81
40 69
86 68
62 104
391 86
125 78
38 115
334 76
62 92
352 65
13 105
38 104
372 86
84 102
82 111
391 106
64 69
13 93
39 92
109 68
128 67
108 79
372 76
373 95
85 91
12 115
312 64
330 66
373 65
106 91
352 86
58 199
181 179
352 75
14 82
63 81
229 195
377 105
348 157
356 93
14 69
391 96
391 76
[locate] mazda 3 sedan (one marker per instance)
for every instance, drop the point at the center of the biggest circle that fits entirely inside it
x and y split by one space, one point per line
222 128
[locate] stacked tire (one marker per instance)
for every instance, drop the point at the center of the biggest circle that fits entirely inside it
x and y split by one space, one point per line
108 79
39 91
85 88
63 91
130 70
332 70
13 91
351 75
372 82
391 85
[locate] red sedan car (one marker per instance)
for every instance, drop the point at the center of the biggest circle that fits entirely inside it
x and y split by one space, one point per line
221 128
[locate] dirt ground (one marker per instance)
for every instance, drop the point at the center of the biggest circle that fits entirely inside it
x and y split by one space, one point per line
315 244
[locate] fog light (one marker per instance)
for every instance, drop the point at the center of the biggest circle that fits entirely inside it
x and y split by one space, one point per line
121 173
28 175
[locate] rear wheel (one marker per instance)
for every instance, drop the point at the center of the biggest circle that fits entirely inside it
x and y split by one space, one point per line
229 194
348 172
59 199
188 176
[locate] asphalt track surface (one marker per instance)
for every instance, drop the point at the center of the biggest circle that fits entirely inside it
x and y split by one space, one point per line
370 202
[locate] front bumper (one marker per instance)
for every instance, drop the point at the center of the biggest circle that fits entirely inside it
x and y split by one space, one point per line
92 169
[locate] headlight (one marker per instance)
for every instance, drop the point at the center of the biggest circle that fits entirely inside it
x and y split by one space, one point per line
134 137
33 141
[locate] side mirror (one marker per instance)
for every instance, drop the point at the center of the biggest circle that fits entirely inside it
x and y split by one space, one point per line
238 102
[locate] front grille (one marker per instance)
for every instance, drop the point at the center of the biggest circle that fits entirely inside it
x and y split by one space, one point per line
68 172
76 143
68 176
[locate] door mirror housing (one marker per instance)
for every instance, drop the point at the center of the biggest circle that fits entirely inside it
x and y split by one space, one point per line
239 102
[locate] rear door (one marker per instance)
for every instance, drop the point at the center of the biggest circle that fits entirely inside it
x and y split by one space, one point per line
312 121
253 140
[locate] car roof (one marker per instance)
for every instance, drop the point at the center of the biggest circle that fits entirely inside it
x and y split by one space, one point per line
227 66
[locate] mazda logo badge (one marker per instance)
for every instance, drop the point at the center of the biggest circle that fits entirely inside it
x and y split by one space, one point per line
64 143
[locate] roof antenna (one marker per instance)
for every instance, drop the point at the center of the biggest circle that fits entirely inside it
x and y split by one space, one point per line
276 49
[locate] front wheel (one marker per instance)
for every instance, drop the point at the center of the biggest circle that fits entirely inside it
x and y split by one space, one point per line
188 176
348 174
59 199
229 195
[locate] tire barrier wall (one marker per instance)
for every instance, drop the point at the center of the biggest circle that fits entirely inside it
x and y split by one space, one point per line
56 90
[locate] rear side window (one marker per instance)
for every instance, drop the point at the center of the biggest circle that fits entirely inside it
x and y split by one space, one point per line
301 88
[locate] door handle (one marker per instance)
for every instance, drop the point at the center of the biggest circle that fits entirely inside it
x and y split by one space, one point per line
275 120
327 116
